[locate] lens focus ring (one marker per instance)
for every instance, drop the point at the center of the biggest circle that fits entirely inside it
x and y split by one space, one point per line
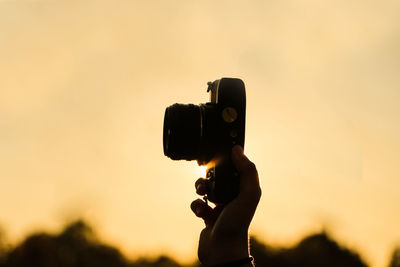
182 131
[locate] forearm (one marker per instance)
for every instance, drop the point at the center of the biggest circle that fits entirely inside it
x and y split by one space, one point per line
245 262
228 252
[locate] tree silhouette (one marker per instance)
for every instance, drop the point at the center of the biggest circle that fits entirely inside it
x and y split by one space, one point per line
315 250
3 247
77 245
395 260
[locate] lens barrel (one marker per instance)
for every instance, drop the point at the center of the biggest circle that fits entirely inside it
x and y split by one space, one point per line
182 131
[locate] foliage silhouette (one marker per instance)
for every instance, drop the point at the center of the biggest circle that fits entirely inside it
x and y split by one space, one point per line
315 250
395 260
77 245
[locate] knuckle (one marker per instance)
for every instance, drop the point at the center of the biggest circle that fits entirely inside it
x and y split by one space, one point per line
258 192
195 204
250 167
198 183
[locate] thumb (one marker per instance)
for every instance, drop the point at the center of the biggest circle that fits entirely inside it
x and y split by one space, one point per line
249 181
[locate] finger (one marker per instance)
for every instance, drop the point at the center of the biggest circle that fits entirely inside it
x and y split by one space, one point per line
202 210
201 186
242 163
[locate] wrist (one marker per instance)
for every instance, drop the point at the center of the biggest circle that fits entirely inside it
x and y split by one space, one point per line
228 250
243 262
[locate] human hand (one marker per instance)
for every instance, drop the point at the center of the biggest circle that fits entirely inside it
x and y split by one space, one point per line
225 237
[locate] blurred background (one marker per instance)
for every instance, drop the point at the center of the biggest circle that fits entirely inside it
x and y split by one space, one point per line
84 86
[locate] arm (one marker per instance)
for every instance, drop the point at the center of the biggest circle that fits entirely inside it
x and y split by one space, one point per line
225 236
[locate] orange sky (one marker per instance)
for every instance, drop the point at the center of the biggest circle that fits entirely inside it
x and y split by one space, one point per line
84 86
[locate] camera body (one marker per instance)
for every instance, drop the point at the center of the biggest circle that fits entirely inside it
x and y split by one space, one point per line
207 133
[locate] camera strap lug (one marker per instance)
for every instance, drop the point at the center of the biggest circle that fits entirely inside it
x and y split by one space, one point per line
210 86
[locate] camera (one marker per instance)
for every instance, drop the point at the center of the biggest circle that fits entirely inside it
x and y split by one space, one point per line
207 132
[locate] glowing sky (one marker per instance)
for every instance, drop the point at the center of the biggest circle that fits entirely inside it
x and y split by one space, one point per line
84 86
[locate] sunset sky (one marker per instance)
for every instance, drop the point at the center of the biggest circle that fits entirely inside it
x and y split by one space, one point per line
84 86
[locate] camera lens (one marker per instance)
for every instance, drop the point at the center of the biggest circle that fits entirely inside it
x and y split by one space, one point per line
182 131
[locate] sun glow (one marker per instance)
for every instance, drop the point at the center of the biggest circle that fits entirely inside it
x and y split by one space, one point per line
201 171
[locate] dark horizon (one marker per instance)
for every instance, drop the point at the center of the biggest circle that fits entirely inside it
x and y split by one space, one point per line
77 245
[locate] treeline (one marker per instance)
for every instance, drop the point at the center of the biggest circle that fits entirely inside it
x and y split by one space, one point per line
77 246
